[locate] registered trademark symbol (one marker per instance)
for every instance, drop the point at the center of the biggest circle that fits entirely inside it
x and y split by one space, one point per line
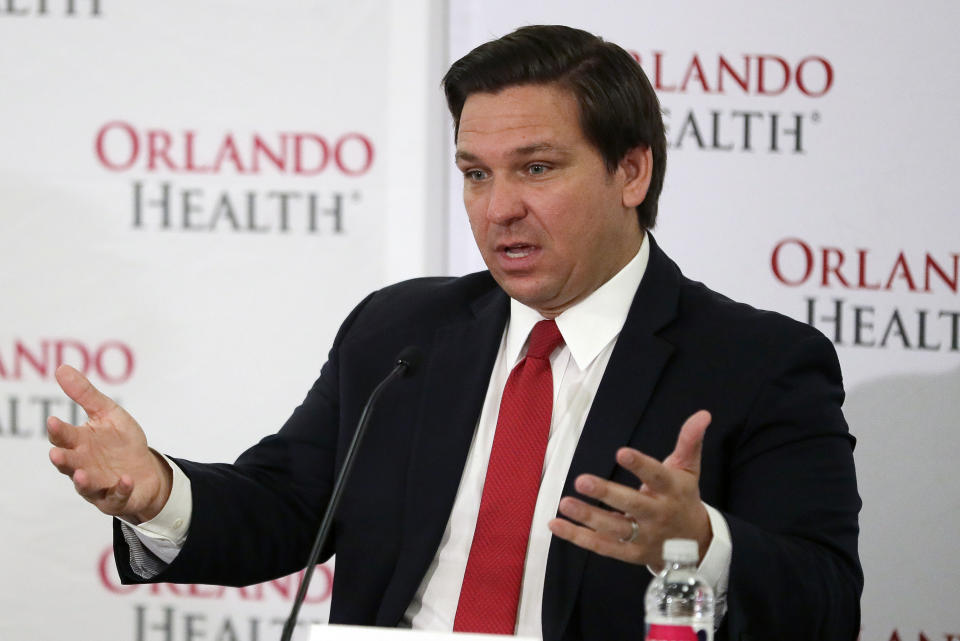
815 116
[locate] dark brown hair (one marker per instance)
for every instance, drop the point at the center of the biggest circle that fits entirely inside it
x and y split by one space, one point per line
618 108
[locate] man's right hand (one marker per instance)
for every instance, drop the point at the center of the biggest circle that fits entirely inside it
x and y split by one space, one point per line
107 457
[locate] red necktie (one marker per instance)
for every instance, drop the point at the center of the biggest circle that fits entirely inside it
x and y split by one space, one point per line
491 586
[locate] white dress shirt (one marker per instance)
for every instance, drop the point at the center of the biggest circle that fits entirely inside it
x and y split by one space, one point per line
590 329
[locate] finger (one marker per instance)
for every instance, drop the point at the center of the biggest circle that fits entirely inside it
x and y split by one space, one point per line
612 524
590 540
61 433
60 461
619 497
88 486
686 454
76 386
652 473
67 459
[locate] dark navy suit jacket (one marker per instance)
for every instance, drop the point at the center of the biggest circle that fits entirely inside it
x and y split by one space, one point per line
777 461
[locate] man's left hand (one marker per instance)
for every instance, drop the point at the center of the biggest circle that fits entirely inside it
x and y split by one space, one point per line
666 506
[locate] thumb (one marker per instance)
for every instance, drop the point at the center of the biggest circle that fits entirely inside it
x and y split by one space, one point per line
686 454
77 387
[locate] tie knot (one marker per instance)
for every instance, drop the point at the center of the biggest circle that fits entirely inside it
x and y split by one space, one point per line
544 338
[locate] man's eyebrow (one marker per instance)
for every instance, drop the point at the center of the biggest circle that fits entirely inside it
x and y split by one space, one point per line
526 150
538 148
464 155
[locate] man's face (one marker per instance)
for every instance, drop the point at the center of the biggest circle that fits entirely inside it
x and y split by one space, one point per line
551 222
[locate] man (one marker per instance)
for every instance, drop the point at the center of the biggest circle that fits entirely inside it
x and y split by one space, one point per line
574 367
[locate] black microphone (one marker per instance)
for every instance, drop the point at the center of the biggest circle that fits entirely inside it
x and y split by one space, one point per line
406 364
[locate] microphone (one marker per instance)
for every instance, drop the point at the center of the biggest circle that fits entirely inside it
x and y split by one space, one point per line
409 357
405 364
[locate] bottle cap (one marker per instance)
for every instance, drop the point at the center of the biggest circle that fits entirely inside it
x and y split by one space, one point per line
681 550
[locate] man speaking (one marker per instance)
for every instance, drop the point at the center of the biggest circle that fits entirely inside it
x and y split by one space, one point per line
524 479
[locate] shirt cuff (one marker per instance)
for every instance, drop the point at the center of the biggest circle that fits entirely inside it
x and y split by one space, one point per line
715 565
165 534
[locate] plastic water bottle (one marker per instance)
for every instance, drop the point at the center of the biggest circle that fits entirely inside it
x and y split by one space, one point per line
679 604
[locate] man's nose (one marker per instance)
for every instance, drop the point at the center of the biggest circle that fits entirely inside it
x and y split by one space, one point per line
506 202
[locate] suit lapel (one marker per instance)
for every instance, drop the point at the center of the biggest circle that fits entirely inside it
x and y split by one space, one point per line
628 382
456 377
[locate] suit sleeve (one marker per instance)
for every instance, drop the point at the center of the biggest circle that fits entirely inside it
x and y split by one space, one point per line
255 520
793 505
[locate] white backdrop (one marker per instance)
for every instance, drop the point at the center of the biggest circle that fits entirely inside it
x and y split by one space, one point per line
211 323
856 188
192 197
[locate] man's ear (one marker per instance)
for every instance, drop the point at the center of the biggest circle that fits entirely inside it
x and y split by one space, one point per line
637 168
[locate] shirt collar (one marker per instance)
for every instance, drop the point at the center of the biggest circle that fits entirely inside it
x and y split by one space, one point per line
591 324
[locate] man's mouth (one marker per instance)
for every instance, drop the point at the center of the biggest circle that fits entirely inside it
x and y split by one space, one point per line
518 251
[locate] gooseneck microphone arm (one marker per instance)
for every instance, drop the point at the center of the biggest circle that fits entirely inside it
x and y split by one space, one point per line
406 364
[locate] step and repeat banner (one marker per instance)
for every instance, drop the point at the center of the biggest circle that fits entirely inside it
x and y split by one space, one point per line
191 200
193 196
812 148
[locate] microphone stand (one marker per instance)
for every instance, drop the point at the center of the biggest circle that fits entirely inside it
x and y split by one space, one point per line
406 363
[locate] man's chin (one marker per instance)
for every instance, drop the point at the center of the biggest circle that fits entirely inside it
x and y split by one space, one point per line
533 295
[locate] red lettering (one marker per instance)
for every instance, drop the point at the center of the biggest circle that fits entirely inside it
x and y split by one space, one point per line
694 67
367 151
833 269
762 88
862 260
102 146
228 150
118 149
158 146
40 365
113 361
794 269
325 587
126 355
189 165
901 269
895 636
775 261
106 577
278 159
743 81
283 586
60 348
657 75
251 592
205 591
319 590
323 157
931 265
827 73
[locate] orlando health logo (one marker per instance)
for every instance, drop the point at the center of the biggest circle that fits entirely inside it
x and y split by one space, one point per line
191 181
875 298
168 612
749 92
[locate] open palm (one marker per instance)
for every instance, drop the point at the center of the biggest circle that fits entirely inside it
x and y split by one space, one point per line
107 457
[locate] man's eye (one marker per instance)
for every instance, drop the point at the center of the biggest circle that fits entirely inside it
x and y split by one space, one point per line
537 169
475 174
